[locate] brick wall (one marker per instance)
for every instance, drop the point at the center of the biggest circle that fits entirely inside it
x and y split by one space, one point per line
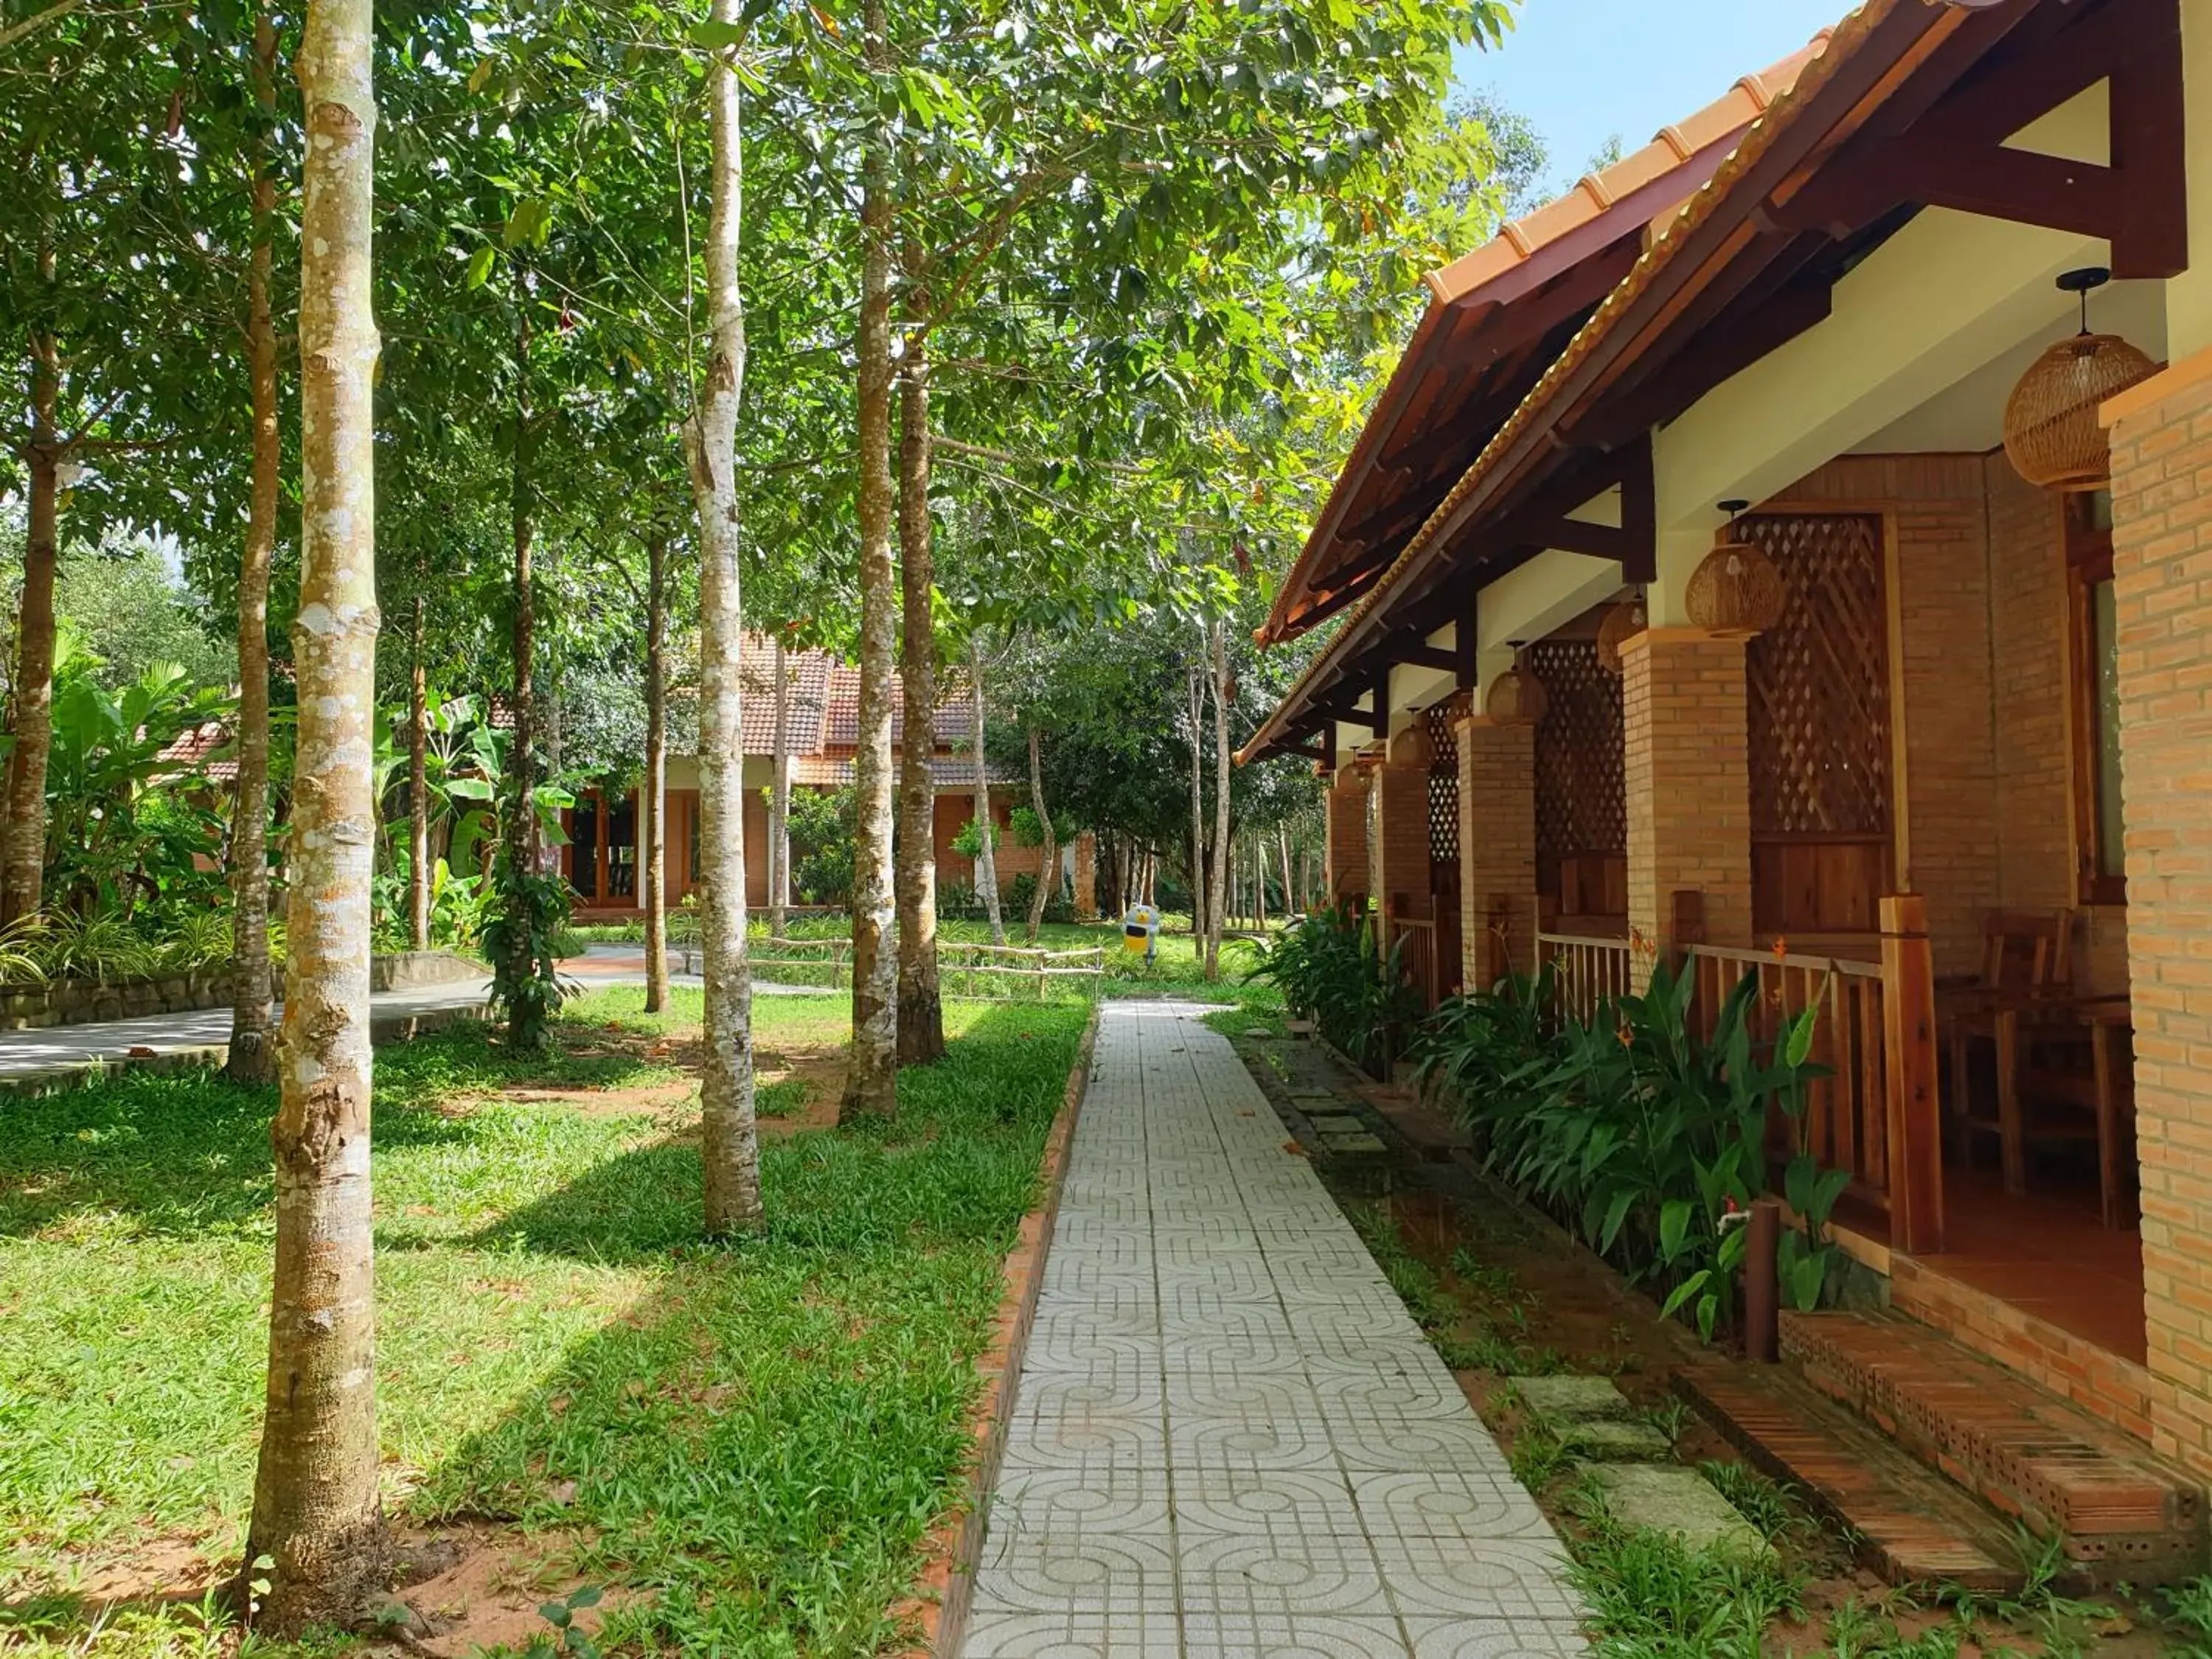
1401 812
2163 559
1498 846
1347 833
1689 796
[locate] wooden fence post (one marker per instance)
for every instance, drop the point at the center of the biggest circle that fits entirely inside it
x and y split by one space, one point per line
1916 1124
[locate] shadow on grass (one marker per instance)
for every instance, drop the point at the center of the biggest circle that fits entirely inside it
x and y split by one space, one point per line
763 1446
187 1152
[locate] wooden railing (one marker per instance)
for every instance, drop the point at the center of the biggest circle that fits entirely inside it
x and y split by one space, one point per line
1587 972
1414 939
984 971
1875 1112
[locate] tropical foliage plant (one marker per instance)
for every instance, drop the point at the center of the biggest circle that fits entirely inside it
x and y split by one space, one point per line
1331 970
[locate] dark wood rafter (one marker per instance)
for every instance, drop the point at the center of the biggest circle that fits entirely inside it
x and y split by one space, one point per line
1633 545
1957 157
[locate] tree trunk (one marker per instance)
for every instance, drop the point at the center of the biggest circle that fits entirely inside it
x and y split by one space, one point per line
316 1516
653 797
1048 881
871 1076
519 967
730 1139
252 1056
920 1007
1195 697
418 789
1290 892
987 834
779 801
1218 881
22 875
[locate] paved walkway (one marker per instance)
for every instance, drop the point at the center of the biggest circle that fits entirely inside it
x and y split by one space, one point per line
55 1049
1229 1439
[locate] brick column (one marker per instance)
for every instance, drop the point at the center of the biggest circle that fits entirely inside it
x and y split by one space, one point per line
1347 832
1086 877
1689 792
1496 848
1402 803
2161 551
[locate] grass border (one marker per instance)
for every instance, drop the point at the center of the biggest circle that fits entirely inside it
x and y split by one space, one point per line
946 1586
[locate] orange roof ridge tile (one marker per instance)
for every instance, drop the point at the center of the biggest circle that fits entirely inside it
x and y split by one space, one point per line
1673 146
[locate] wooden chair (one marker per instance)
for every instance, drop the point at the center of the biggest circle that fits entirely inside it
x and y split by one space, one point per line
2025 960
2072 1081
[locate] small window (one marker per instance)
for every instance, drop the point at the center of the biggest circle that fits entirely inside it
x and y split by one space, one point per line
2099 827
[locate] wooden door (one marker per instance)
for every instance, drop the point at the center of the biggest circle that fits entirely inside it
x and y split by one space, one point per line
1818 712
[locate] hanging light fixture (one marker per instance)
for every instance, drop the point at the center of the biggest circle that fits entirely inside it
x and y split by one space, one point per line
1412 747
1517 697
1736 589
2051 433
1624 622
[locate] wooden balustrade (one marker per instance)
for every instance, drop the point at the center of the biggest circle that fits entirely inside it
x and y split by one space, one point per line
1414 939
1587 972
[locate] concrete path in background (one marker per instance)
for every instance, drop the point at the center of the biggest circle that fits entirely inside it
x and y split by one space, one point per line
1229 1439
59 1050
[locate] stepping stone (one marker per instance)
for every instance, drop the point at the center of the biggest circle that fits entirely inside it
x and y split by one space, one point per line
1668 1498
1560 1399
1607 1442
1337 1123
1361 1143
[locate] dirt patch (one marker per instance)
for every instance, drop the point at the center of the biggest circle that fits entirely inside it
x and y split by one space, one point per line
819 1070
489 1598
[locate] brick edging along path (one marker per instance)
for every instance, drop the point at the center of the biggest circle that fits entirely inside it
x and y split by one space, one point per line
947 1582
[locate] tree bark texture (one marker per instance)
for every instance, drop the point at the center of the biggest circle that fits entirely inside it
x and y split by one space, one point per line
22 874
1195 697
652 794
1048 881
872 1077
521 827
1290 891
986 833
729 1137
316 1514
418 789
779 799
921 1005
1218 880
252 1056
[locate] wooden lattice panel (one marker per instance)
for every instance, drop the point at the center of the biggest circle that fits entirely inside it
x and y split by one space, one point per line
1581 797
1818 681
1444 788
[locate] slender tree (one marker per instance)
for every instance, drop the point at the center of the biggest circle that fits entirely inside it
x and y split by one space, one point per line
1194 706
653 793
871 1079
317 1521
252 1057
22 869
779 796
920 1008
1217 879
986 835
418 784
729 1134
1048 881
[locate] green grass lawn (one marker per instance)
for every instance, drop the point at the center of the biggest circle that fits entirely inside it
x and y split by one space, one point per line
1179 972
746 1444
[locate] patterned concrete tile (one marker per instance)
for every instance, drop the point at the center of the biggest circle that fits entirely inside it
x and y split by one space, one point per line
1229 1437
1072 1634
1496 1639
1302 1636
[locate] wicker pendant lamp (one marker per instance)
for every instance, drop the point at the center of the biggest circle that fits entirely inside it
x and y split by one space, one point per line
1517 697
2051 433
1736 589
1624 622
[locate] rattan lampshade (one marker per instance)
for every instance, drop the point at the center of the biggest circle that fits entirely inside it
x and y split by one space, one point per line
2051 433
1412 747
1736 589
1517 697
1625 620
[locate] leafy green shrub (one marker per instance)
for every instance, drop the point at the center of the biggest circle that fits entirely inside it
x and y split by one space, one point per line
1645 1138
822 825
1022 889
1330 971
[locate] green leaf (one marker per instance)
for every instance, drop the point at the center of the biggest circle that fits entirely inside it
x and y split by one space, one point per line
587 1597
1615 1214
1709 1315
556 1613
480 264
1806 1279
1683 1292
1800 1047
1673 1226
713 32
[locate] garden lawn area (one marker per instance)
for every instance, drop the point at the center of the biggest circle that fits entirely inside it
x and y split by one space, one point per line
745 1446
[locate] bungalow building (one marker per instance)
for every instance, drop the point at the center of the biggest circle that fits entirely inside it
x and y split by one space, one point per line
1754 563
823 725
